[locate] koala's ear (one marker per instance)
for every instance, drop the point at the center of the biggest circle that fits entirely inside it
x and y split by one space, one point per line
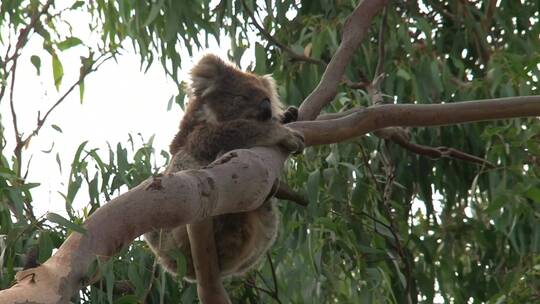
206 74
270 83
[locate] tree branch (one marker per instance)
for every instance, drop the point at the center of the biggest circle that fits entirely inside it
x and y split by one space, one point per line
364 120
354 30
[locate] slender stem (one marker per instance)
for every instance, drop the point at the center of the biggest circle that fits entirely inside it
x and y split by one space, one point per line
274 277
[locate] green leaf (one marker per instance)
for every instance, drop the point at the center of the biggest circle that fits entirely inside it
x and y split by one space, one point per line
45 246
359 194
154 12
181 264
58 71
68 43
60 220
81 90
59 162
260 59
109 279
534 194
77 4
169 104
313 186
57 128
129 299
36 61
403 74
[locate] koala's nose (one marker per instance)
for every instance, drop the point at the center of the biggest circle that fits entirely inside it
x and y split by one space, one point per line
265 109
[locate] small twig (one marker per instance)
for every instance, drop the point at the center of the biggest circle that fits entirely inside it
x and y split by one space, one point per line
266 291
438 152
14 117
389 169
274 277
18 152
371 217
368 167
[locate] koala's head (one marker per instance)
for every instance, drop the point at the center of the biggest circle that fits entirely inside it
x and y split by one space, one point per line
221 92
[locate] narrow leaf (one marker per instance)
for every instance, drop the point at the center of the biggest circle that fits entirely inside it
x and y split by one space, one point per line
57 128
68 43
81 91
58 71
59 162
62 221
77 4
169 104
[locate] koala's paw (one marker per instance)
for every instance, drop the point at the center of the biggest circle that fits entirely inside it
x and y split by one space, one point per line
293 142
290 115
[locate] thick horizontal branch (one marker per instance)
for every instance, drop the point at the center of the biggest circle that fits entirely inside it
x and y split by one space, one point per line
239 181
365 120
354 30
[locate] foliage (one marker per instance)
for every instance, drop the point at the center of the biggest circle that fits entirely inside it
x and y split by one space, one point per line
383 223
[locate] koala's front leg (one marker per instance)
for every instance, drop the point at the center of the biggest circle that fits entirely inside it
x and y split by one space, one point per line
276 134
244 133
291 140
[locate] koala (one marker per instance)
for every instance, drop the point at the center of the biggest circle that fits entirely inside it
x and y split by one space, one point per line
228 109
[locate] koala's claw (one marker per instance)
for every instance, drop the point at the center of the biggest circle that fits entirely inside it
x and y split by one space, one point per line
290 115
294 143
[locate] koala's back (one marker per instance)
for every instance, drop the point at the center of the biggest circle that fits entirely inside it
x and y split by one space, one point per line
241 238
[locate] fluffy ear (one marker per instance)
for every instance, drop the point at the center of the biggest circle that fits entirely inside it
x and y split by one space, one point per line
206 74
277 106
